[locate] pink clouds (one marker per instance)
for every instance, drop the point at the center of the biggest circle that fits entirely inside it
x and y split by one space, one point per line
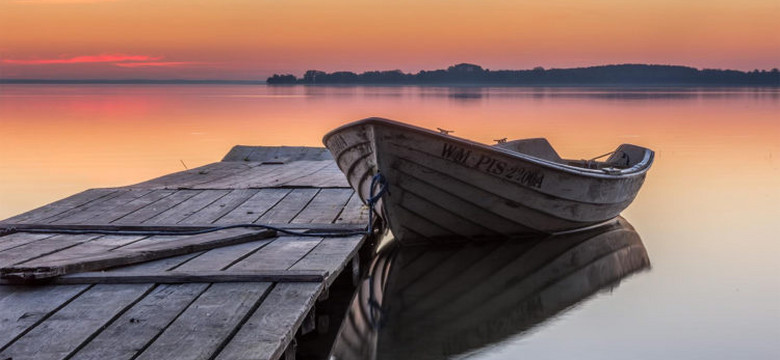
84 59
121 60
159 63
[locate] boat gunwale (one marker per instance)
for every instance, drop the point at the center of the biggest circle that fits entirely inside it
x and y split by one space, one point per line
638 169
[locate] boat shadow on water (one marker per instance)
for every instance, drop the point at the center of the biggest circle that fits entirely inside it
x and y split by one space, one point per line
435 302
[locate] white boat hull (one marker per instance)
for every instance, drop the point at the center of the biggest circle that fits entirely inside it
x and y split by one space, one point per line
441 186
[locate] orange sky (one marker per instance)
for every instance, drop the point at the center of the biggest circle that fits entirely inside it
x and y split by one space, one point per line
252 39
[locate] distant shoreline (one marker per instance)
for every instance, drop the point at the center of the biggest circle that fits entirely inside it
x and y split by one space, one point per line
605 75
469 75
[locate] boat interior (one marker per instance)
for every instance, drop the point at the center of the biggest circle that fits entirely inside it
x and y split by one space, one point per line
625 156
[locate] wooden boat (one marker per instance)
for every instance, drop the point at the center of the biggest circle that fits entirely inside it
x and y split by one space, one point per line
442 186
446 300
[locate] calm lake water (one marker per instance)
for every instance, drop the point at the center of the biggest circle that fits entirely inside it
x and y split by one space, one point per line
708 215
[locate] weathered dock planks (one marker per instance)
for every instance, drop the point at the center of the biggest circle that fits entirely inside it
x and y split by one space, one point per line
97 258
239 293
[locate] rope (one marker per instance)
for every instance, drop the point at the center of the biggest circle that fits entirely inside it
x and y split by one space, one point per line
9 230
372 200
601 156
376 316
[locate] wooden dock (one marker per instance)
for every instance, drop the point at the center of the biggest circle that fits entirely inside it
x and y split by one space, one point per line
239 293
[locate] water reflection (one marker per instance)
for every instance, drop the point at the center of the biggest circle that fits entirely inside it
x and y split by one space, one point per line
466 93
472 93
438 302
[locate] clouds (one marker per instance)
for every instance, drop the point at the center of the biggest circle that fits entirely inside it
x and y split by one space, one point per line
61 1
111 58
155 64
121 60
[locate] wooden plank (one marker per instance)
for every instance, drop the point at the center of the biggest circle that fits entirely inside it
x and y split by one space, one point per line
220 208
286 209
268 331
254 207
84 213
139 325
58 207
325 207
170 181
41 248
244 180
277 153
281 254
183 277
189 178
17 239
268 175
223 257
67 329
327 177
331 255
98 245
187 207
355 212
108 216
296 171
25 306
157 207
240 153
5 291
157 240
119 257
227 173
157 265
208 322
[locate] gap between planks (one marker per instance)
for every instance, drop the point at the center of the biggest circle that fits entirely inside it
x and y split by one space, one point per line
308 227
183 277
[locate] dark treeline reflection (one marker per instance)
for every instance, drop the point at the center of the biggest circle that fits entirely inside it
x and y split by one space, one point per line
625 74
440 301
472 94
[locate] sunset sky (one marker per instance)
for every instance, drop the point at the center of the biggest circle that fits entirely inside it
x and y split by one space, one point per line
253 39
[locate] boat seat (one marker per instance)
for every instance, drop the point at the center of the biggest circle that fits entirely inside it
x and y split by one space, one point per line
536 147
626 156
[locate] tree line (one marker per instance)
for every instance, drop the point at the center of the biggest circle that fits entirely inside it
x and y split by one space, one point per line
626 74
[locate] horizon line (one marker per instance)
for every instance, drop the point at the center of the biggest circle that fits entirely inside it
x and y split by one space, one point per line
258 82
128 81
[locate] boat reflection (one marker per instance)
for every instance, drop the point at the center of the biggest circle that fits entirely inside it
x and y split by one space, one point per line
438 302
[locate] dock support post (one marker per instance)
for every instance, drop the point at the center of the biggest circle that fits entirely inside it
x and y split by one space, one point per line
324 295
292 348
309 322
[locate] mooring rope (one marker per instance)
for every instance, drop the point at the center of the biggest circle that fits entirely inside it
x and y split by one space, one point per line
55 230
373 199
